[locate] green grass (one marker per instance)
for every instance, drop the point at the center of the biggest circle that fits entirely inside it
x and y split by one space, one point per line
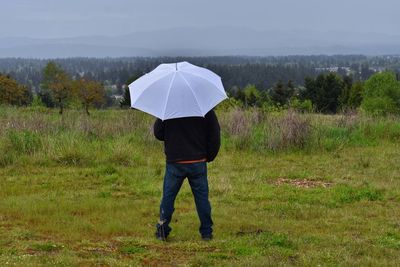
85 191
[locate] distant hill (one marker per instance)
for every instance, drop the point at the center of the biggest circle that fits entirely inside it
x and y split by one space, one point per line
203 42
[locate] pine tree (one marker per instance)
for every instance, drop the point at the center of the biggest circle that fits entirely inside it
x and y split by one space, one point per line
126 100
281 94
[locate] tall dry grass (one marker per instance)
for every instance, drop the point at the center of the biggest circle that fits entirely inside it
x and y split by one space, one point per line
292 130
74 138
122 136
104 123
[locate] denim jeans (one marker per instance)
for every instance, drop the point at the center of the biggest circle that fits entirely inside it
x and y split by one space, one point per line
175 174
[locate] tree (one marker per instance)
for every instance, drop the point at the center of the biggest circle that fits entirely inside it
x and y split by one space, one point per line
330 92
366 72
310 90
281 94
301 106
90 93
12 93
46 98
57 83
134 77
381 94
324 92
239 95
251 96
345 95
355 95
126 100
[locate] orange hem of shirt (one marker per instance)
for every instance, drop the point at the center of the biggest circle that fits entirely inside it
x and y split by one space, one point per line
192 161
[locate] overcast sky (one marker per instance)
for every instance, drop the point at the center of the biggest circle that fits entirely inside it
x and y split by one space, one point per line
62 18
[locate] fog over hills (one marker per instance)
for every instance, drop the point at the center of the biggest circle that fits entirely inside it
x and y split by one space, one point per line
214 41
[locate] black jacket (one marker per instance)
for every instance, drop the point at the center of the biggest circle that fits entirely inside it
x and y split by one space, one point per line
189 138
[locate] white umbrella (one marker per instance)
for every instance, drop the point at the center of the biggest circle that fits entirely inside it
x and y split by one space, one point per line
177 90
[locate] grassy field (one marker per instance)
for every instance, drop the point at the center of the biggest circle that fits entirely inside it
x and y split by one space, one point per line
286 189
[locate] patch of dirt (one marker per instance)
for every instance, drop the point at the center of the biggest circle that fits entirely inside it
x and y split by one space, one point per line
302 183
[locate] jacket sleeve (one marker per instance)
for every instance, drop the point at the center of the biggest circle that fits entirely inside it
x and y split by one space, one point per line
213 135
159 129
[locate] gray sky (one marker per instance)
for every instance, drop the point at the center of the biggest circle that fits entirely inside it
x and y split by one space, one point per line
62 18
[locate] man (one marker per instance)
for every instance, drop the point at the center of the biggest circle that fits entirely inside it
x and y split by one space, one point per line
189 143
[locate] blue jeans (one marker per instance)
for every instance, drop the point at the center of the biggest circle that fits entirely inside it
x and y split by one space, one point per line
175 174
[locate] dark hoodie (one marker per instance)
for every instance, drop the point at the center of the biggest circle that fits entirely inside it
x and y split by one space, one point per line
190 138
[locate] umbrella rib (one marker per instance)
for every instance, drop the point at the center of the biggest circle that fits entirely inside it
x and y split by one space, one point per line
190 73
137 98
169 90
191 89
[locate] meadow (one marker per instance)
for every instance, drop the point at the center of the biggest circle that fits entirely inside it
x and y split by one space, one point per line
287 189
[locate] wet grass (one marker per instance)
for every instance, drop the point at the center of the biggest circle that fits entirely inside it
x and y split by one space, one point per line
87 193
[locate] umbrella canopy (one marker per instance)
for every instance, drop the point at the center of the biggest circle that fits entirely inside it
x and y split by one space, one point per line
177 90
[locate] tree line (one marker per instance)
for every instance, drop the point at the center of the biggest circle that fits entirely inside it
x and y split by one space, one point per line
325 93
263 72
328 93
57 90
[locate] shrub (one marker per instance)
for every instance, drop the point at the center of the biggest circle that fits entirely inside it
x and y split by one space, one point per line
72 157
381 94
349 119
72 150
290 131
239 123
123 155
24 142
301 106
228 104
379 106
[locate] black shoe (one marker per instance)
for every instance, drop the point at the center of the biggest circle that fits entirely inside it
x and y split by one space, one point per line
161 238
207 237
161 233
